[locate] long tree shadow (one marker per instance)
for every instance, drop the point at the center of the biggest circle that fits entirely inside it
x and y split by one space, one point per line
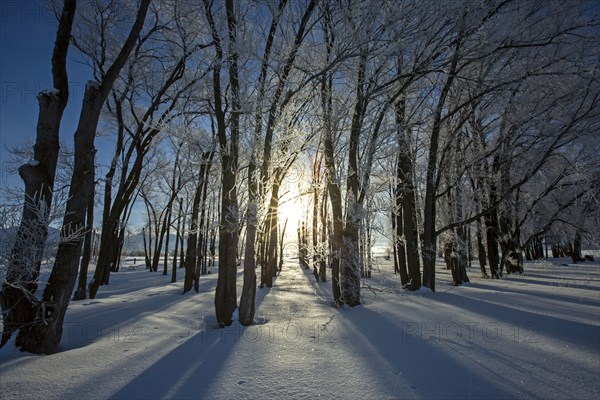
569 298
556 284
119 310
576 333
420 365
408 364
189 370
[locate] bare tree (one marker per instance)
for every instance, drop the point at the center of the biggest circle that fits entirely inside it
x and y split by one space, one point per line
38 176
43 335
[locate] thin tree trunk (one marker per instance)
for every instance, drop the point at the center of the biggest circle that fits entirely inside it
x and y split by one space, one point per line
168 233
177 236
80 293
481 249
324 239
429 232
279 268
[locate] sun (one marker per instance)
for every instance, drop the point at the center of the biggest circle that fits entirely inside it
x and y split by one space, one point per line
291 210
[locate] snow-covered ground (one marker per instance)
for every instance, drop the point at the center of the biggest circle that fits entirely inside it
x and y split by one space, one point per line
535 335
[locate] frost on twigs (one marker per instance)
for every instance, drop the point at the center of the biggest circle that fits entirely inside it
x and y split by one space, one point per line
25 256
71 234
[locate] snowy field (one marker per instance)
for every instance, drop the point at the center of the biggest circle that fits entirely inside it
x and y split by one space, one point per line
535 335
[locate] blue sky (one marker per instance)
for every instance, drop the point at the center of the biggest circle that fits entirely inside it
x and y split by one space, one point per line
27 33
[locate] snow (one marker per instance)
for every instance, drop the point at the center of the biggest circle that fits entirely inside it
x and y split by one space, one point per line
50 92
33 163
535 335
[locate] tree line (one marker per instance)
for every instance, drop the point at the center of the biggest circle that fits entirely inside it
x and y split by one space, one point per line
450 128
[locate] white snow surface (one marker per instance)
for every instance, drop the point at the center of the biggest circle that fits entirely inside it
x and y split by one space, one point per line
535 335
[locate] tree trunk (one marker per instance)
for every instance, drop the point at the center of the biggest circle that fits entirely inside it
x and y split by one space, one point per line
38 177
177 235
191 273
338 232
491 224
576 255
280 266
431 180
315 216
481 249
324 239
44 335
146 256
406 222
248 298
272 223
80 294
168 233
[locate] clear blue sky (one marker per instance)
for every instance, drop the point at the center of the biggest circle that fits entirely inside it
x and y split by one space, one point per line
27 33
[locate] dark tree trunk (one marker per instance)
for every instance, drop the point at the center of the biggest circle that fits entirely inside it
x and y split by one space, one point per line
481 250
337 216
191 270
43 336
225 293
80 293
248 298
168 233
315 217
146 259
177 236
351 256
406 222
272 223
576 255
280 266
38 177
333 189
225 296
324 239
491 224
431 180
190 254
394 236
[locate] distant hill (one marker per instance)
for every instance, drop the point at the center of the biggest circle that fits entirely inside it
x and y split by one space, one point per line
7 238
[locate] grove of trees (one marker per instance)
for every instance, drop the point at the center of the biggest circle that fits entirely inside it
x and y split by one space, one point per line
466 130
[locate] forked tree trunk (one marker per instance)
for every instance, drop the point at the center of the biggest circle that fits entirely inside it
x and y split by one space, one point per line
38 177
44 336
191 272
